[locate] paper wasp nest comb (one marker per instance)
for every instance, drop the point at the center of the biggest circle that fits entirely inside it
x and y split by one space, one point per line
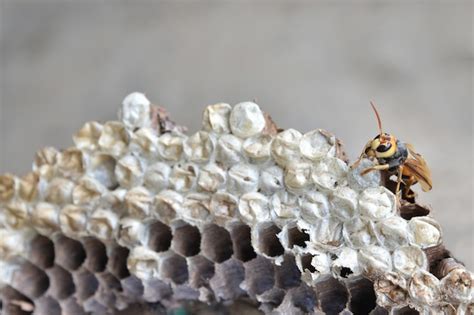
137 216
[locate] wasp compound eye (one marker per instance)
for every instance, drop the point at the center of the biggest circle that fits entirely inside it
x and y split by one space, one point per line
384 147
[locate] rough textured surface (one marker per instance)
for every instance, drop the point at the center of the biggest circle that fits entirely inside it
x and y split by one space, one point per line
298 59
277 221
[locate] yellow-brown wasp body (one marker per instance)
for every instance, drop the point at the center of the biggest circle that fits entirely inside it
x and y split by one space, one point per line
397 158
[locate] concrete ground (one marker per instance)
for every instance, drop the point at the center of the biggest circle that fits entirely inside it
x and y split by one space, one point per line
309 64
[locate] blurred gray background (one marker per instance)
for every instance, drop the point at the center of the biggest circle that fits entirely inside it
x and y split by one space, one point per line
309 64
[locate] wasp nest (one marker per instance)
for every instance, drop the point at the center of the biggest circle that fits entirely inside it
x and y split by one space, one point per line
139 213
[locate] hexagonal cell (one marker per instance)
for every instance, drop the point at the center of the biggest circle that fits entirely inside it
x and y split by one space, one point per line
332 295
61 284
30 280
86 284
42 252
71 307
227 279
268 241
156 290
186 240
132 287
159 237
69 253
47 305
271 299
96 254
13 302
297 237
362 296
109 285
259 275
216 243
117 263
287 275
200 271
242 242
174 267
299 299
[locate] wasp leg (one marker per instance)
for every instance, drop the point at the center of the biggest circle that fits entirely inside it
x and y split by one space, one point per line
399 179
382 167
410 181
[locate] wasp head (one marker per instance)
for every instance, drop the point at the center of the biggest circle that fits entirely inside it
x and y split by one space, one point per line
382 146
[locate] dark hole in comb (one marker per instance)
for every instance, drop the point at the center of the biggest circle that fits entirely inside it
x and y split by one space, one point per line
216 243
96 254
332 295
69 253
345 272
61 284
242 243
47 306
42 252
175 268
269 243
117 263
31 280
306 263
187 240
297 237
160 237
362 296
287 275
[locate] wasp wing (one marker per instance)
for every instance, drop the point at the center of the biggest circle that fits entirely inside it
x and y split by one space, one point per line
416 166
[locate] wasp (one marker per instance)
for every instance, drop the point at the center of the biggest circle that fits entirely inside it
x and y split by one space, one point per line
396 158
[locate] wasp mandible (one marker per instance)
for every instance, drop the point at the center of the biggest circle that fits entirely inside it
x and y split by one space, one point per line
396 158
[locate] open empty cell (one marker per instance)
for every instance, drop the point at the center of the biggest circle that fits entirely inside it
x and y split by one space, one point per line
306 260
174 268
13 302
332 295
259 275
96 254
200 270
109 286
30 280
155 290
47 305
159 237
72 307
268 241
117 263
70 253
132 287
297 237
227 280
216 243
287 275
362 296
61 284
42 252
186 240
242 242
86 284
302 297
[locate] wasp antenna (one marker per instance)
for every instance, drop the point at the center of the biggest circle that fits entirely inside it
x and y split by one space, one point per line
377 115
